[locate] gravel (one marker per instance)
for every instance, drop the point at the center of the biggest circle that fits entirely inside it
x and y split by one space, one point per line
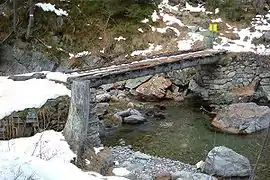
143 165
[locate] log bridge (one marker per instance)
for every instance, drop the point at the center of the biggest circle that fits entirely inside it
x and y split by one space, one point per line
149 66
82 127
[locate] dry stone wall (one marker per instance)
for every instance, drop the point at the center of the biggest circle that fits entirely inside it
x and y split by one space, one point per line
238 77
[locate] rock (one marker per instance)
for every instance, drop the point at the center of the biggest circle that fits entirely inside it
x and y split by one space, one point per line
184 175
181 77
51 116
155 88
200 165
27 77
242 118
16 60
163 176
266 36
101 108
103 97
99 162
129 112
130 105
266 90
225 162
134 83
144 177
134 119
140 155
107 87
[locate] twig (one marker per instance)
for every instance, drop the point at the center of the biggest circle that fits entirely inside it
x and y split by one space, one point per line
47 46
260 153
205 110
37 143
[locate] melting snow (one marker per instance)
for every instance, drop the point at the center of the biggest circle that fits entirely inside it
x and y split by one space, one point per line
19 95
120 38
145 20
259 26
121 171
80 54
51 7
43 156
190 8
140 30
151 48
218 20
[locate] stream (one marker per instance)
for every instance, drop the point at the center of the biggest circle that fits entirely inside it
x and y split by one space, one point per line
185 135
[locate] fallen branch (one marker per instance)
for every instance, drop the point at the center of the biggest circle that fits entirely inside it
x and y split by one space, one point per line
208 112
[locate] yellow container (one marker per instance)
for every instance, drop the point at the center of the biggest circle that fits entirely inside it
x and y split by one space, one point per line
213 27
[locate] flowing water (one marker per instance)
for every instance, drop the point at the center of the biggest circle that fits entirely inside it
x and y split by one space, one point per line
185 135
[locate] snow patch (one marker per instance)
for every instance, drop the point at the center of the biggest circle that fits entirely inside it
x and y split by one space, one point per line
190 8
151 48
33 93
120 38
80 54
145 20
51 7
57 76
43 156
140 30
98 149
120 171
218 20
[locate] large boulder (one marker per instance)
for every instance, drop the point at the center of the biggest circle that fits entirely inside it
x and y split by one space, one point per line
15 60
225 162
134 83
242 118
155 88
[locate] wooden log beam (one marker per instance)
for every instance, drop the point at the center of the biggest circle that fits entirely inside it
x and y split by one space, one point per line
146 67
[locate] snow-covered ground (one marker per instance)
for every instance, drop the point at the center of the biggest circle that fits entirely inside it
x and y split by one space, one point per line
244 43
19 95
44 156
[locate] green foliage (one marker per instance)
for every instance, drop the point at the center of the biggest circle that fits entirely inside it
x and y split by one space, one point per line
234 10
139 11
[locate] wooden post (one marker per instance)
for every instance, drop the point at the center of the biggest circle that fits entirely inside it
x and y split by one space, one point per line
82 129
76 125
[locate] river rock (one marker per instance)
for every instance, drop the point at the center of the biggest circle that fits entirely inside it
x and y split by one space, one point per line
225 162
130 116
134 119
155 88
242 118
163 176
266 36
182 77
129 112
99 161
134 83
105 97
101 108
184 175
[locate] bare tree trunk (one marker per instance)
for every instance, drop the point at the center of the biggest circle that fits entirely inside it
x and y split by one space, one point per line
75 130
31 19
14 16
82 127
